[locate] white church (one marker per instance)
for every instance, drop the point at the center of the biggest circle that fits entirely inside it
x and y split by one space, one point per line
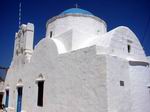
78 67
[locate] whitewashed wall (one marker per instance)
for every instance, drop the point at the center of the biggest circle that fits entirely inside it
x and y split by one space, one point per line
88 24
118 96
140 93
74 82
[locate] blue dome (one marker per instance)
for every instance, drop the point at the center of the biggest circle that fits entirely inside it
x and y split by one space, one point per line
76 11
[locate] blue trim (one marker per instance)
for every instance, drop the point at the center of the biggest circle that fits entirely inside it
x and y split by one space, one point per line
19 100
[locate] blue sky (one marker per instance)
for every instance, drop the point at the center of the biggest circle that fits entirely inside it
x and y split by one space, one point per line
132 13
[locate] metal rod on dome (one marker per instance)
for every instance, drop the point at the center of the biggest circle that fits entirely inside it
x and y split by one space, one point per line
19 14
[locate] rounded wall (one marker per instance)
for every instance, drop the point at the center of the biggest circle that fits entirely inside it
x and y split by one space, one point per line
125 44
84 23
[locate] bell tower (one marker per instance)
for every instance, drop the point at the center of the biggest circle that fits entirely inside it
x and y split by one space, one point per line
23 47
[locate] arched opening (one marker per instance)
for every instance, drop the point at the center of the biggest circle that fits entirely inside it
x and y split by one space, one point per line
19 99
19 95
40 93
40 83
7 98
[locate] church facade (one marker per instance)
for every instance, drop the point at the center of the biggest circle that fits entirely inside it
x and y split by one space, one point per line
78 67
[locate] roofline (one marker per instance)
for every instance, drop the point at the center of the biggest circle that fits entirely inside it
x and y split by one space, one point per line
77 14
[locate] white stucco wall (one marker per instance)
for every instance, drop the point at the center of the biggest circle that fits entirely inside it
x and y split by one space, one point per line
73 82
116 42
88 24
118 96
140 93
73 40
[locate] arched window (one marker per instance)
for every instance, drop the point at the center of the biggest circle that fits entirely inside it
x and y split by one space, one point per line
19 99
7 96
19 96
40 82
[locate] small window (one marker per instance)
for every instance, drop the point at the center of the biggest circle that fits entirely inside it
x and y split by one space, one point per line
51 34
7 98
121 83
129 48
40 93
